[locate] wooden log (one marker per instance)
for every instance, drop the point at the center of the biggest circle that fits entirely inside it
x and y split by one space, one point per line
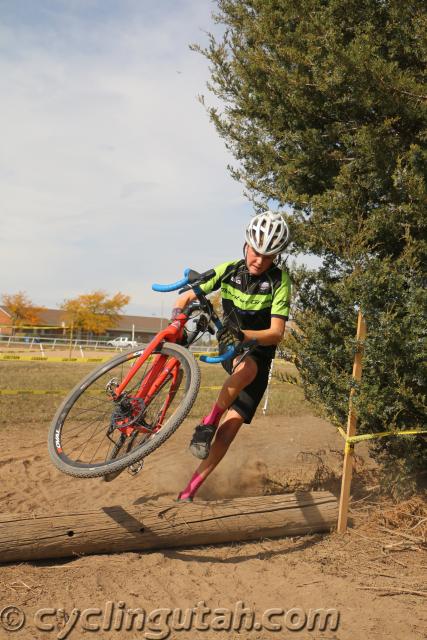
163 524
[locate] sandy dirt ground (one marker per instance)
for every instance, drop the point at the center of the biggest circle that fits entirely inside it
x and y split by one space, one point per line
374 592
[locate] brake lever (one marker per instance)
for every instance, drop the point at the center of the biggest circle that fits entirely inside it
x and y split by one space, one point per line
184 289
194 305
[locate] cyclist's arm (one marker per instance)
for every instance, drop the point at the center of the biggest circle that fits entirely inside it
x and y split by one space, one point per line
268 337
184 299
207 287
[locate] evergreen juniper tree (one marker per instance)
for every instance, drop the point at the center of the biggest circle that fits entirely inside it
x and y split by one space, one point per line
323 104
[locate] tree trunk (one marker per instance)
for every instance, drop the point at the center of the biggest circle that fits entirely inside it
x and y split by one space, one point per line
164 524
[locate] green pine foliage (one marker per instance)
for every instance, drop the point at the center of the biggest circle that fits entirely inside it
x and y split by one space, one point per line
323 103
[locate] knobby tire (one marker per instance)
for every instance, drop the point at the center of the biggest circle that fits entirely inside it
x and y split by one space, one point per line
112 464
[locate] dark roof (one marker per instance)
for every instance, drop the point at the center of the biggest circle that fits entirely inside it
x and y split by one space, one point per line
142 323
57 318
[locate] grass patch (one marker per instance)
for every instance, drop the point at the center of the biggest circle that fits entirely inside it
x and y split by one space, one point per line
36 376
59 378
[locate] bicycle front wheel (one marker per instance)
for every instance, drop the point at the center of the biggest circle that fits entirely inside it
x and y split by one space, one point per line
95 434
136 438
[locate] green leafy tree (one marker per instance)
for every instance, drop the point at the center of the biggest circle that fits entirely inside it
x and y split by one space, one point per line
95 312
323 104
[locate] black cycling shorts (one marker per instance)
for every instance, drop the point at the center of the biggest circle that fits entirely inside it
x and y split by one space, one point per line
249 398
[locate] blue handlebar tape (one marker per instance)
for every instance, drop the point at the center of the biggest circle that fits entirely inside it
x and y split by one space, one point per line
174 286
215 359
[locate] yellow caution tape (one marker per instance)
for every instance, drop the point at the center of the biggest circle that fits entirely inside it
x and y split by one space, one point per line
349 447
15 358
41 358
38 392
19 327
15 392
352 440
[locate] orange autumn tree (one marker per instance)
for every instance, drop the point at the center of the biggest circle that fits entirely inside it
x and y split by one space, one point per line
95 312
21 309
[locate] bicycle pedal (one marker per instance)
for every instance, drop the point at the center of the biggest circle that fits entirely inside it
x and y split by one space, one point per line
134 469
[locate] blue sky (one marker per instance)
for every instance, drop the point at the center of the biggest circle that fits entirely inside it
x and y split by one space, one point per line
111 175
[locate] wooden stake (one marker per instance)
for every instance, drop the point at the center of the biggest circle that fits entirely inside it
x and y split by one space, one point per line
351 429
71 339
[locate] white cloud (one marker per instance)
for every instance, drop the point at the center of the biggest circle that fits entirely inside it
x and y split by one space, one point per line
111 174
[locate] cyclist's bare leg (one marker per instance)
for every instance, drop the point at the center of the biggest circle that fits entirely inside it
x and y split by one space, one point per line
224 436
243 375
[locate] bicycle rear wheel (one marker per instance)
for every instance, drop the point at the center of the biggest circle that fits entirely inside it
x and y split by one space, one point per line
93 434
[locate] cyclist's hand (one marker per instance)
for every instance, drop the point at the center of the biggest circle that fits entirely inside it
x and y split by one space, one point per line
229 336
176 311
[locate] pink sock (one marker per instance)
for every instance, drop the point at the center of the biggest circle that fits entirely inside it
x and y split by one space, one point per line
214 417
191 488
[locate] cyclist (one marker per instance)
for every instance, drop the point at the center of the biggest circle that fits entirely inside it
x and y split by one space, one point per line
255 296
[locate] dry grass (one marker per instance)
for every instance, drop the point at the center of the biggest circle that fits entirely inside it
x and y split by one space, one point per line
56 378
409 518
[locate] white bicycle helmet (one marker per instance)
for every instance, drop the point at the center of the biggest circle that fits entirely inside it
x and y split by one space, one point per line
267 233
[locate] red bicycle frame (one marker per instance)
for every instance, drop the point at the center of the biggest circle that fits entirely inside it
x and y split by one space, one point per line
162 368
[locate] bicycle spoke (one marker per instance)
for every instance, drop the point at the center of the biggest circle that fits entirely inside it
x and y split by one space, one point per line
78 426
93 434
